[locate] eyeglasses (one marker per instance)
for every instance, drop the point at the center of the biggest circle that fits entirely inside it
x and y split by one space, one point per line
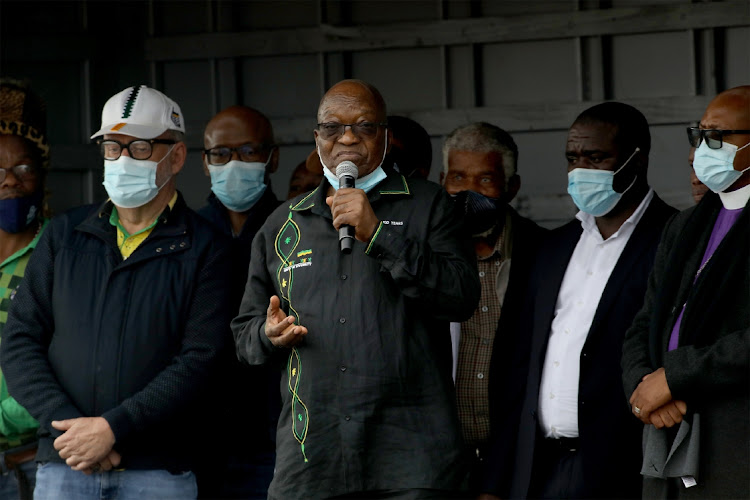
331 130
20 172
247 152
714 137
139 149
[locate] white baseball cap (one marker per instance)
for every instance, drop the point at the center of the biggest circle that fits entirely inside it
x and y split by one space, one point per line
140 112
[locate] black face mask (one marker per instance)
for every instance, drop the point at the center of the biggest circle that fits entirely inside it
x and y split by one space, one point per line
480 212
16 214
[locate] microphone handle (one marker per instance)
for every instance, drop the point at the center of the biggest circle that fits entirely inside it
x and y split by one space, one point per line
346 232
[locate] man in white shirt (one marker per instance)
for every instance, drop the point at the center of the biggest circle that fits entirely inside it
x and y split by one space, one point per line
569 427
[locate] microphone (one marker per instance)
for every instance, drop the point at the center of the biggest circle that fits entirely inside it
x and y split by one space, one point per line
347 172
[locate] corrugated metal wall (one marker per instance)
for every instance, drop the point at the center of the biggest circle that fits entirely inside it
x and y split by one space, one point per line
529 66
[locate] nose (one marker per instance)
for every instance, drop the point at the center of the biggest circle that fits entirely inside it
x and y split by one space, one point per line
348 137
10 179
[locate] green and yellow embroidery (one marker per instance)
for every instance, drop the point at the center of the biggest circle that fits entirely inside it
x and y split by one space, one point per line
286 243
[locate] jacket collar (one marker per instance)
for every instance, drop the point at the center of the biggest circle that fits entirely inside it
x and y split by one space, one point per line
315 201
172 221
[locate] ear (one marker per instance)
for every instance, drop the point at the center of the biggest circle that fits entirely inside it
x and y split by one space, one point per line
205 165
512 187
274 163
179 155
390 140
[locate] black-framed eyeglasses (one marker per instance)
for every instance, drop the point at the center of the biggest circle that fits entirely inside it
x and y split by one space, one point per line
247 152
139 149
20 172
714 137
332 130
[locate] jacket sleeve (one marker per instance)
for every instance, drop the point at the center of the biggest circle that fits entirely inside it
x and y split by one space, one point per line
248 328
26 338
440 271
204 337
636 351
698 372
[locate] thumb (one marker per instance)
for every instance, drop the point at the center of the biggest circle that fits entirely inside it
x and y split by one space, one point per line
62 425
115 458
329 200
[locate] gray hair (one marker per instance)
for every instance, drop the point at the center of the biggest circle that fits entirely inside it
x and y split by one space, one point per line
482 137
176 135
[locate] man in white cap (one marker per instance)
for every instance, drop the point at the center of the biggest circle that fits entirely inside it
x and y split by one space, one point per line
112 336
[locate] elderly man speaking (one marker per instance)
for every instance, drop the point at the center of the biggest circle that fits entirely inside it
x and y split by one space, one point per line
368 408
114 331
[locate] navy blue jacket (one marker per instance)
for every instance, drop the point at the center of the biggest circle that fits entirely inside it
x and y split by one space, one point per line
133 341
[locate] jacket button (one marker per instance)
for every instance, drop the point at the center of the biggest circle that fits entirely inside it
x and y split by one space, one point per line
342 368
342 320
171 247
182 244
347 418
158 249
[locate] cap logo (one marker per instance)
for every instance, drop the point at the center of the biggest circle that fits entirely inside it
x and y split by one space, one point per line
118 127
175 118
128 108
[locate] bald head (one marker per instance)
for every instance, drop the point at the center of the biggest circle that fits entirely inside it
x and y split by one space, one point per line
237 126
240 125
350 93
730 110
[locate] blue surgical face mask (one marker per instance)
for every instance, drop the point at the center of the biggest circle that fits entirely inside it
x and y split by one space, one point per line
16 214
238 184
715 167
592 190
365 183
131 183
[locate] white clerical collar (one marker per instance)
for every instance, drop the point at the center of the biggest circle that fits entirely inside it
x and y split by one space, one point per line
736 199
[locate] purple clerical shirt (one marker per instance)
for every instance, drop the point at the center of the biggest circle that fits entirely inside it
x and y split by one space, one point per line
723 224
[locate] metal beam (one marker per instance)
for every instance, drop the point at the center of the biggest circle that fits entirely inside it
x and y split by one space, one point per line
515 117
327 38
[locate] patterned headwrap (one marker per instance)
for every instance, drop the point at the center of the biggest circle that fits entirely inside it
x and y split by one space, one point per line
23 113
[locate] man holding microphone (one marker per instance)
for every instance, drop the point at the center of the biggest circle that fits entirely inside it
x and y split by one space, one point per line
362 334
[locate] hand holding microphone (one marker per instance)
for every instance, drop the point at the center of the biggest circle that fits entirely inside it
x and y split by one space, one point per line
353 216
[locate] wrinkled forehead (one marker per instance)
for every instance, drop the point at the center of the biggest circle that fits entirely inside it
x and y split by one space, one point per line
357 101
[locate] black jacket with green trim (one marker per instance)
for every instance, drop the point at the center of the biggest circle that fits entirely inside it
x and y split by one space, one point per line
368 400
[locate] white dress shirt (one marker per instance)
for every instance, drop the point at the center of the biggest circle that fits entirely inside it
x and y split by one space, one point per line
587 274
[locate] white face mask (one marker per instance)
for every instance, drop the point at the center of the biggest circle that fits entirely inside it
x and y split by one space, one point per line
132 183
715 167
238 184
365 183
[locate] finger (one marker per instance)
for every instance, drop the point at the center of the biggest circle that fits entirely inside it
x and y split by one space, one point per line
105 464
329 200
273 305
657 421
666 418
115 458
674 414
292 336
279 328
62 425
681 406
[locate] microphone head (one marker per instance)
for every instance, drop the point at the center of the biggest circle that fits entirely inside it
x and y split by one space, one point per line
347 168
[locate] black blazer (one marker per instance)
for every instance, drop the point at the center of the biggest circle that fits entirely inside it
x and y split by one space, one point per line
609 435
710 369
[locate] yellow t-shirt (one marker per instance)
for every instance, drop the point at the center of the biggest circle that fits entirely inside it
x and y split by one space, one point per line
127 243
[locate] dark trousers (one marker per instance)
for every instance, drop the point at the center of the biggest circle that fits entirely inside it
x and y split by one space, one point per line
558 470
